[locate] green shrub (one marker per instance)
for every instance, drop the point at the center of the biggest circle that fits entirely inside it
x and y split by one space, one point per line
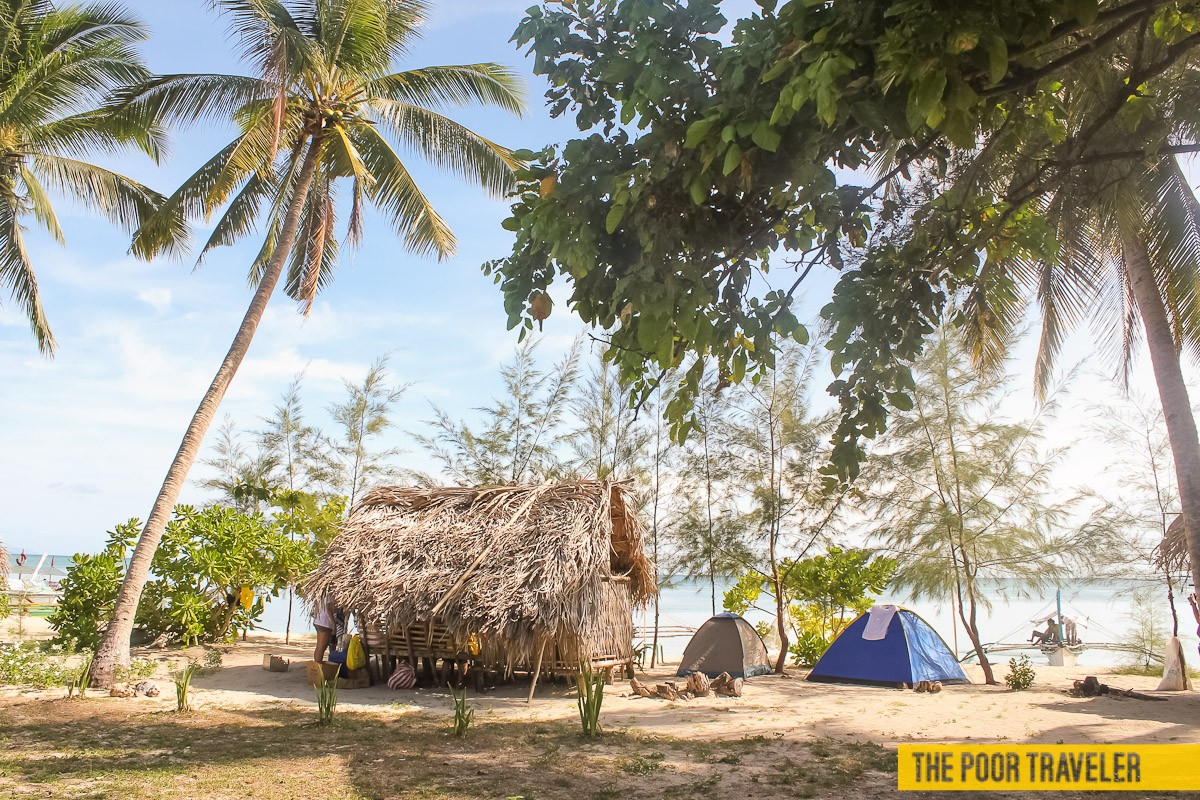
32 664
1020 674
207 558
138 670
183 685
326 700
462 714
78 681
89 590
590 698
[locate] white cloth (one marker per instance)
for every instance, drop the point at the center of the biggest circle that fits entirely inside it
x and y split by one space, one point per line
879 618
1175 673
323 616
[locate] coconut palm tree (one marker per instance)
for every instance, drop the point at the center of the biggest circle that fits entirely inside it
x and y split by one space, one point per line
1127 224
323 110
57 65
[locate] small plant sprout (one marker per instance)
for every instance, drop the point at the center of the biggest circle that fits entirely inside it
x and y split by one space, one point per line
462 714
183 685
590 698
78 680
326 700
1020 674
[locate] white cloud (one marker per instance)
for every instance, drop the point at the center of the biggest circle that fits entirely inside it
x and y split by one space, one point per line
158 298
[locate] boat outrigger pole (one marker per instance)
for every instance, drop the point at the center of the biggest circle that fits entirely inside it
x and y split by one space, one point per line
1062 639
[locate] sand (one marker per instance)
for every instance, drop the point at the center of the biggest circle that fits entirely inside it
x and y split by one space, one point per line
771 706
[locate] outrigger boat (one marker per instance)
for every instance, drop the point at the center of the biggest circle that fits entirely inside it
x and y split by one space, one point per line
1060 642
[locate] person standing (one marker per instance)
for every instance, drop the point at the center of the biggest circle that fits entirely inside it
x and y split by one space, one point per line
327 619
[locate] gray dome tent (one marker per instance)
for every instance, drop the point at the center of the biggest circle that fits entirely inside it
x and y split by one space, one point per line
726 643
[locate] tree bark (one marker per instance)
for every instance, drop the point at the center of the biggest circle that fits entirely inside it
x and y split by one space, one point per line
114 647
781 625
1172 391
970 623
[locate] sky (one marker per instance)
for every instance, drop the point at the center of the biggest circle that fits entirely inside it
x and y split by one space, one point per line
85 438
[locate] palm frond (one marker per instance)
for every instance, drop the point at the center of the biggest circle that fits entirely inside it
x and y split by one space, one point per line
16 272
1173 234
314 256
241 215
95 131
186 99
119 199
992 310
166 231
453 86
269 37
449 145
282 200
39 203
398 196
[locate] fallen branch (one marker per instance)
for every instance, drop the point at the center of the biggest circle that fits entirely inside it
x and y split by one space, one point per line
1092 687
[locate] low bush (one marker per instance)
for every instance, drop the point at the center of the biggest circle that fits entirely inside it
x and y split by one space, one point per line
1020 674
138 670
33 664
327 700
591 697
462 713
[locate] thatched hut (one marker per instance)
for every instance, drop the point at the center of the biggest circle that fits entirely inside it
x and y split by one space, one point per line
520 576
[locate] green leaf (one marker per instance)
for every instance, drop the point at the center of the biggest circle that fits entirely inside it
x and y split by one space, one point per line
698 190
781 66
698 130
615 215
1085 11
766 137
997 51
733 157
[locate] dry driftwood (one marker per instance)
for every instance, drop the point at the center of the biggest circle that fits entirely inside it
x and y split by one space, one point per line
726 685
1092 687
699 684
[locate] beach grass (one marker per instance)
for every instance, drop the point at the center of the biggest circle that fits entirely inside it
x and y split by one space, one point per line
107 749
1147 670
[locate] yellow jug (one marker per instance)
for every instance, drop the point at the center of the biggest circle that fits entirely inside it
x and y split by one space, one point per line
356 657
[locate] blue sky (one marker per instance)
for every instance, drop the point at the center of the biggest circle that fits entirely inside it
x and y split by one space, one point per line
88 436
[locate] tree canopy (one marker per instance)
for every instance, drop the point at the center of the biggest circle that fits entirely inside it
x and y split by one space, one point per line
715 176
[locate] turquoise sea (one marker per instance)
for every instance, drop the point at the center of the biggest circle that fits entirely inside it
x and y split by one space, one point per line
1103 612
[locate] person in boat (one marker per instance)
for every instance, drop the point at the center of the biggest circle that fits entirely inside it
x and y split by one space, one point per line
1048 636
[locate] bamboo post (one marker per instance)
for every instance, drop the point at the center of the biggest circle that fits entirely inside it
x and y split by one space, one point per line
536 671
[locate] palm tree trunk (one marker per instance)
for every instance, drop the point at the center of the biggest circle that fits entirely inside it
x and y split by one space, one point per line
114 647
1172 391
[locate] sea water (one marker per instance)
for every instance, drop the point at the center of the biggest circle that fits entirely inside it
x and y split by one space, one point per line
1103 612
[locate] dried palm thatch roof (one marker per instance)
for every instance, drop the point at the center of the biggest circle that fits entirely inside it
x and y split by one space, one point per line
520 564
1172 551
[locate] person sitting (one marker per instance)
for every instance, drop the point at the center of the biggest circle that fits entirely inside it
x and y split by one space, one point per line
1048 636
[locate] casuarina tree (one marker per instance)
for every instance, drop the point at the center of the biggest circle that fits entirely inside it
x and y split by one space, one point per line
323 112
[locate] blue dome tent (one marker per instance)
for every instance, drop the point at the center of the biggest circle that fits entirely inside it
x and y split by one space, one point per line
888 646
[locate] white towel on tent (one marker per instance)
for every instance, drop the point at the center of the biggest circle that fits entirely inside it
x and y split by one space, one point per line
880 617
